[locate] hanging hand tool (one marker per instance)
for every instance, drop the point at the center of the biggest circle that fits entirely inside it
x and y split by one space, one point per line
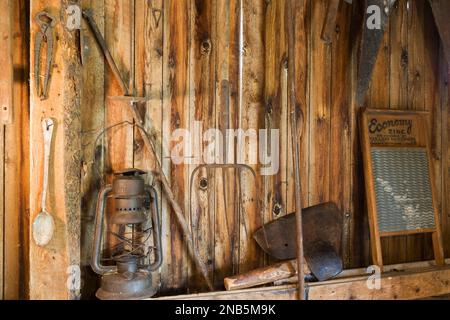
150 144
45 36
44 224
371 43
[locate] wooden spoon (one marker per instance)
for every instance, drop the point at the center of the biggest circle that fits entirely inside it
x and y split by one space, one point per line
44 225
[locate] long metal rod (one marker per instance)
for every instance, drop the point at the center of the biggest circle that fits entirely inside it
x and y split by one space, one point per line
150 145
290 29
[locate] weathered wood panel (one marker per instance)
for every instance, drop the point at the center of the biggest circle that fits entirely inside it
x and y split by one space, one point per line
93 123
251 118
16 167
320 108
49 266
223 62
177 116
205 47
188 63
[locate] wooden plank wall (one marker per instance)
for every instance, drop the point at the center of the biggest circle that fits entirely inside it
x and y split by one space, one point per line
53 269
223 62
14 187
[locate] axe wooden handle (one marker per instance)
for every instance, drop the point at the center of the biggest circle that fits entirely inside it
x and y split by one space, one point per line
266 275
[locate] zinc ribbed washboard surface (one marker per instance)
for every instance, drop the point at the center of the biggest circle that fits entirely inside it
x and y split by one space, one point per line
403 191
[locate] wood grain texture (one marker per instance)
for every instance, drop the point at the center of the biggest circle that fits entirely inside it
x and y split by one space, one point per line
205 46
149 83
188 65
6 60
226 47
397 89
178 96
2 217
411 285
250 120
16 167
93 123
340 127
49 266
119 142
320 108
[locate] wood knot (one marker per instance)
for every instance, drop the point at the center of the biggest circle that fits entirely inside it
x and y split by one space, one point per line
203 184
206 46
277 209
172 61
404 58
337 29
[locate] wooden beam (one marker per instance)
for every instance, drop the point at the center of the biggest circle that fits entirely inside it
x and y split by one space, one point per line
408 285
6 61
51 267
285 273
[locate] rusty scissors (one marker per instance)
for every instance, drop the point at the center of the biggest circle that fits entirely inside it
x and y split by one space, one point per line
45 36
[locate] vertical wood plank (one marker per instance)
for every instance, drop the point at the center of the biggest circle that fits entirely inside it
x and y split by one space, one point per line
93 123
399 57
120 141
395 248
176 116
49 266
251 109
340 164
272 204
6 59
2 213
303 44
430 75
356 244
16 165
320 101
416 95
445 169
149 83
227 55
7 282
202 110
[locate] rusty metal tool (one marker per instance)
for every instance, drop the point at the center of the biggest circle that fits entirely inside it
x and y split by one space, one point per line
45 35
371 43
151 144
322 238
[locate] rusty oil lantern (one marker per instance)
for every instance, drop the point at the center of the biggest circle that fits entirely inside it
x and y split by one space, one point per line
135 221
